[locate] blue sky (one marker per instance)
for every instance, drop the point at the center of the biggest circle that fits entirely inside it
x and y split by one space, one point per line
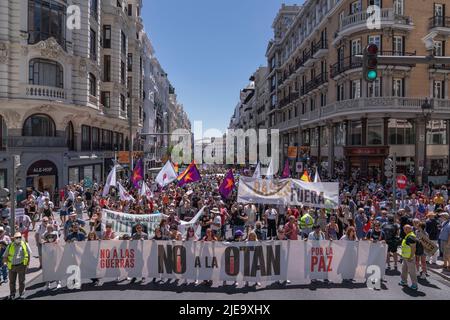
210 48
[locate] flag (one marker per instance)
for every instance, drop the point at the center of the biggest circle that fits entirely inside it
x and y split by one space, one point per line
257 173
138 174
166 175
305 177
145 191
124 195
286 170
269 172
317 177
191 174
176 167
227 186
110 181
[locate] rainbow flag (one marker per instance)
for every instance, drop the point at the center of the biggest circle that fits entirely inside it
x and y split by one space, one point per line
305 177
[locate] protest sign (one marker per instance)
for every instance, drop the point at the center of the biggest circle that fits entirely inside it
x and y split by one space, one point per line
298 261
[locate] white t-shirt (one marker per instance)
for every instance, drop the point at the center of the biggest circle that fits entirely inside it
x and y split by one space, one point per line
217 220
271 214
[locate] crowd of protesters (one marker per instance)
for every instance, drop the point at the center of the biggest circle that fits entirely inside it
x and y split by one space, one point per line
365 213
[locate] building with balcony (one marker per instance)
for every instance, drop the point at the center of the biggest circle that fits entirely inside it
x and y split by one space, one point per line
320 102
70 97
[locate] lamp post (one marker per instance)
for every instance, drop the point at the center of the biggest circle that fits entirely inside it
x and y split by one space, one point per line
427 109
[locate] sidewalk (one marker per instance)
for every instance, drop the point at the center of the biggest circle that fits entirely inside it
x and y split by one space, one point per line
33 271
437 269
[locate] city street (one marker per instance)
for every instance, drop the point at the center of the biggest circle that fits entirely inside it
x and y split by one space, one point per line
434 287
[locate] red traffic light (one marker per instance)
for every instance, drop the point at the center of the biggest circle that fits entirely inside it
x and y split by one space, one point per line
372 49
372 63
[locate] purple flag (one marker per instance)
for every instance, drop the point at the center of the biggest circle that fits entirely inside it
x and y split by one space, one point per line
138 174
286 170
191 174
227 186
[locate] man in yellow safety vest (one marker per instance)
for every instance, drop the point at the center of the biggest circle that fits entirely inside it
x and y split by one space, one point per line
409 258
17 258
306 222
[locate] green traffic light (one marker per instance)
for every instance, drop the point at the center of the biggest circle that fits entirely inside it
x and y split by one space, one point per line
372 75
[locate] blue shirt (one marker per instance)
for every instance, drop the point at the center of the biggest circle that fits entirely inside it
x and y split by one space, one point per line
445 231
76 236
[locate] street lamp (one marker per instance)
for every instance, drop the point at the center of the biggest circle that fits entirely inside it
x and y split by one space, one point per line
427 109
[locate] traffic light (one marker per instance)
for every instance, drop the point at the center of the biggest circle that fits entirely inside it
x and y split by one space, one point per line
388 168
370 63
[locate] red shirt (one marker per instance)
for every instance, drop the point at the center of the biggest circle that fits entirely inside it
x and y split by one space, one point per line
291 231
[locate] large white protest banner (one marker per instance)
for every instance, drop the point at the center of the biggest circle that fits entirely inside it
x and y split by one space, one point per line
123 223
289 191
267 191
298 261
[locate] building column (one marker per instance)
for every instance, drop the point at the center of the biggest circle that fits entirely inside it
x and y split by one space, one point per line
319 146
330 149
363 160
386 131
348 164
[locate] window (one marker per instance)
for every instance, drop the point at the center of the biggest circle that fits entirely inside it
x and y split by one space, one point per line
355 7
70 137
356 47
401 132
439 10
93 45
122 72
106 99
124 43
356 89
398 89
306 137
107 140
122 103
129 86
3 178
46 19
437 132
39 125
3 134
85 138
312 104
339 134
340 92
438 89
92 85
398 7
107 37
46 73
323 99
130 10
130 62
374 88
375 3
107 68
398 46
374 132
95 139
324 136
119 3
439 47
94 9
355 133
315 137
375 40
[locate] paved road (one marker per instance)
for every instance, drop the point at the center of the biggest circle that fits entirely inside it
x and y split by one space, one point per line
435 287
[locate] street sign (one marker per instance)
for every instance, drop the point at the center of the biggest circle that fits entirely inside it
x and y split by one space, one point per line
299 167
402 181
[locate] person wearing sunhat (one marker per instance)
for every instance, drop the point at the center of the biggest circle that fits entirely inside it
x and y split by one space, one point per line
17 258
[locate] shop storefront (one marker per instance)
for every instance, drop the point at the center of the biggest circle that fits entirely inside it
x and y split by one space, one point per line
42 175
92 172
365 162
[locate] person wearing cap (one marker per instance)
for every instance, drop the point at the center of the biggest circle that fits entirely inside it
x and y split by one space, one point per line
51 238
42 229
444 240
216 224
72 219
17 258
79 207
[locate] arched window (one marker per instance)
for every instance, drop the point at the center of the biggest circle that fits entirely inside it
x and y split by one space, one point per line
46 73
39 125
70 137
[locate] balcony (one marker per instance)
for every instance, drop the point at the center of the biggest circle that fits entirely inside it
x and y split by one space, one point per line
308 59
289 99
45 93
358 22
344 65
391 105
320 49
36 142
440 24
440 67
315 83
